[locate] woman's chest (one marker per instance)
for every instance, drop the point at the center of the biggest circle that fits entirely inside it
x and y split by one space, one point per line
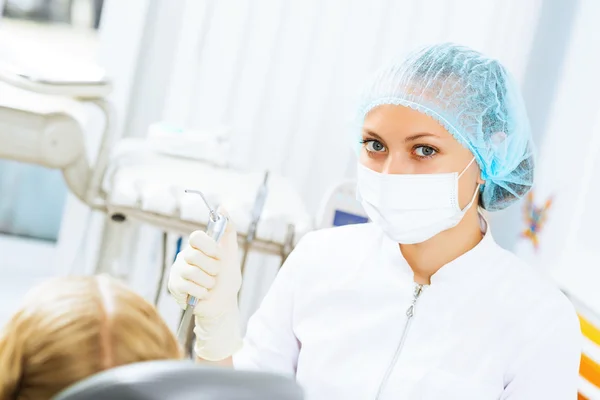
355 347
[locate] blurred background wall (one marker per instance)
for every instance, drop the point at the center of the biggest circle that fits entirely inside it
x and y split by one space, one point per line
284 76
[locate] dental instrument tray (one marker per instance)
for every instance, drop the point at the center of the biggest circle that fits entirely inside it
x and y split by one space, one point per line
149 186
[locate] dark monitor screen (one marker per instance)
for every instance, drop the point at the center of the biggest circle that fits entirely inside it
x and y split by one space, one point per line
341 218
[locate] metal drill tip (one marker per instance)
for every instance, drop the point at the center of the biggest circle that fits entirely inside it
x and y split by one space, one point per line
212 213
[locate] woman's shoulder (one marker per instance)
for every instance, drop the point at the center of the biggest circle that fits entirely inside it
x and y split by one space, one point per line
529 292
532 313
330 248
341 235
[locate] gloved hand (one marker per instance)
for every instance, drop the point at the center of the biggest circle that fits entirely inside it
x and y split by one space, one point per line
211 272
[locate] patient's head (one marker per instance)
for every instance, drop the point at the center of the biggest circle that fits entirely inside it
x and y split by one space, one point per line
71 328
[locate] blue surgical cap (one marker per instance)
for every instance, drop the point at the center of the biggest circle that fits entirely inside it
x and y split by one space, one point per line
475 99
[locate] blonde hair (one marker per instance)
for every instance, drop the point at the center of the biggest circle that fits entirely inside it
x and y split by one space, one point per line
71 328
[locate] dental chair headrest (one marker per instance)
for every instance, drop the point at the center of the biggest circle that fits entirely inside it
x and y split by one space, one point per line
181 380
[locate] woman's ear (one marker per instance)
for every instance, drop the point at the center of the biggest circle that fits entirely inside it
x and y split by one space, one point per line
480 180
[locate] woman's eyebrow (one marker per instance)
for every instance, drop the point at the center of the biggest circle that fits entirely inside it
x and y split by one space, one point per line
411 138
374 135
418 136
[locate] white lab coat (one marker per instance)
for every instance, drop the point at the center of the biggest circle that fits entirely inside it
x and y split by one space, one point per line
488 326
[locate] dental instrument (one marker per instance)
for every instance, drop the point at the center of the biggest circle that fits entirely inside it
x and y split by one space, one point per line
215 229
259 204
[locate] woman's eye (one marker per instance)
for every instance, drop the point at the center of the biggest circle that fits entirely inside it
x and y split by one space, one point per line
375 146
425 151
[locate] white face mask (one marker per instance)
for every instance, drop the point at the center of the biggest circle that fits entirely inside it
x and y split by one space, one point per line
412 208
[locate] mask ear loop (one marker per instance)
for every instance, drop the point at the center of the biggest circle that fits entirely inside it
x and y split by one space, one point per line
466 168
464 210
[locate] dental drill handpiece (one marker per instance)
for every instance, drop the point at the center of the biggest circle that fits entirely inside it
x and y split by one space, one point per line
217 224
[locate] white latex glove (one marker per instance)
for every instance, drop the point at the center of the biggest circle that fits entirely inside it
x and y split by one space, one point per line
211 272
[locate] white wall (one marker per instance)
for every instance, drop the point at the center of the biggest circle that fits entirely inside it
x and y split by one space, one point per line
569 168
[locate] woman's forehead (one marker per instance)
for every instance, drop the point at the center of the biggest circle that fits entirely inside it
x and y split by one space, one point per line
400 121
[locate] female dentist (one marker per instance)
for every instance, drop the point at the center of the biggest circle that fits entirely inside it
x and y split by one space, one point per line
422 303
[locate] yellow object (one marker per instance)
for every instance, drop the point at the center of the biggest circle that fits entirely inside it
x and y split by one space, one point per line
589 331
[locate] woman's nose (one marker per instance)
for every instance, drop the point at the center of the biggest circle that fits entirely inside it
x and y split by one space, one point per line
396 164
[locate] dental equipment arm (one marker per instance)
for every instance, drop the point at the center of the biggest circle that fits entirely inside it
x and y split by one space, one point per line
70 78
49 139
36 126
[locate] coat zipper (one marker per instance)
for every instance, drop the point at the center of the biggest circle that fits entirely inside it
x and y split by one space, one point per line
410 312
